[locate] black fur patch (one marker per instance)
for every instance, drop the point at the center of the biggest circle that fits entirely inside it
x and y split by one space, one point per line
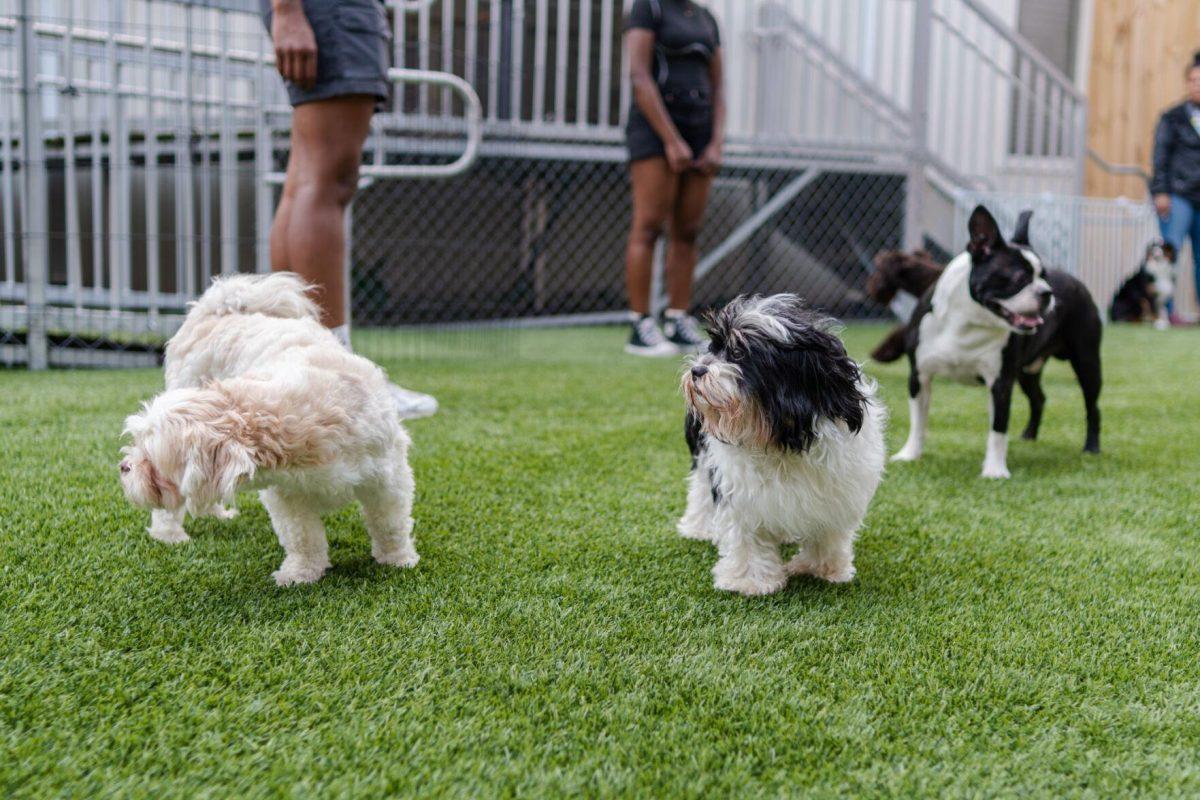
694 436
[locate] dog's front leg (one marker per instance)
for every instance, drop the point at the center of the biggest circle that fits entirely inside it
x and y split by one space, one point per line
749 563
919 395
830 559
302 534
995 462
697 521
167 526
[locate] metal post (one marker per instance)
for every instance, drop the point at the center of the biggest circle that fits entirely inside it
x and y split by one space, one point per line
1080 150
35 220
914 204
658 278
348 264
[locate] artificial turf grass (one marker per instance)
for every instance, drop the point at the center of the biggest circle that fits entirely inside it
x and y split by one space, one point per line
1032 636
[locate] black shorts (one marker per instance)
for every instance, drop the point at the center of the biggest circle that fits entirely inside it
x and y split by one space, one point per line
692 112
352 50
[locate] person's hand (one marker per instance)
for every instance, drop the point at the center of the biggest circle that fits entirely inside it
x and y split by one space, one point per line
1162 204
709 161
295 45
679 155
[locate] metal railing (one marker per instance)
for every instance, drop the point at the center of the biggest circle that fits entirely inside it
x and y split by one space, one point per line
138 141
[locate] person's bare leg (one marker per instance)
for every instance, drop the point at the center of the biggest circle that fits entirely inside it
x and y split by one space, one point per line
308 236
687 216
654 188
308 233
686 220
278 250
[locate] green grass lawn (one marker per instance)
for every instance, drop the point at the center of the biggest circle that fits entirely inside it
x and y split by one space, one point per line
1035 637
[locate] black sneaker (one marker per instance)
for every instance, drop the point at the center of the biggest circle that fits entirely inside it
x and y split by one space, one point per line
647 340
684 332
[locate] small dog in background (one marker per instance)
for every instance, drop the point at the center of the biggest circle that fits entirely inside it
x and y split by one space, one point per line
1145 295
897 271
786 437
261 395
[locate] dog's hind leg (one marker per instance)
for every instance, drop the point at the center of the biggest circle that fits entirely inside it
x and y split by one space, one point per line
1087 370
919 395
302 534
1031 385
703 496
387 509
221 511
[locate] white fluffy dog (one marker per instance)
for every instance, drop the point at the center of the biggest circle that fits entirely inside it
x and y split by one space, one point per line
787 447
261 395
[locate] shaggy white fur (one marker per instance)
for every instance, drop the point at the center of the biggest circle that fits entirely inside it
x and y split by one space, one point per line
261 395
774 369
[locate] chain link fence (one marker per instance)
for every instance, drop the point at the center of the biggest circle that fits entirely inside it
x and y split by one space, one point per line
525 240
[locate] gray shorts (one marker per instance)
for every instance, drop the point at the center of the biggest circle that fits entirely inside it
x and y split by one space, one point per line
353 39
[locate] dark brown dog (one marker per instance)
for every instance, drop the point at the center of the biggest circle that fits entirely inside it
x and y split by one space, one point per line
896 270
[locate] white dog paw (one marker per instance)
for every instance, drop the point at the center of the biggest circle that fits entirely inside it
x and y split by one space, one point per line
833 573
221 512
994 471
292 574
695 532
173 534
399 558
906 454
750 585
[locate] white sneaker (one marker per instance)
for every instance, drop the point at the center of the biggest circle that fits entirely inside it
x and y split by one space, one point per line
647 340
412 405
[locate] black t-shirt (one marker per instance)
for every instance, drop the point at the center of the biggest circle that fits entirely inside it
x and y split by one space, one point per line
685 39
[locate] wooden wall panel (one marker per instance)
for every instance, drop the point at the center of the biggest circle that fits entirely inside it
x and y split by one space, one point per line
1139 51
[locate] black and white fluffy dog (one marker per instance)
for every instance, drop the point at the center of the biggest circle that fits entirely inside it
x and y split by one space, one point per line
1145 294
787 445
995 317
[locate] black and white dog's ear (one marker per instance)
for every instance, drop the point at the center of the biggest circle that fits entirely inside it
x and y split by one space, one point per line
1021 234
816 379
985 234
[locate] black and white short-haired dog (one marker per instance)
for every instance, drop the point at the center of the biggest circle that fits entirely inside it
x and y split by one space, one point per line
786 437
1145 294
995 317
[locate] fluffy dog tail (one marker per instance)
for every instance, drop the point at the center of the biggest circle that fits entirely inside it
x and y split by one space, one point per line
893 347
277 294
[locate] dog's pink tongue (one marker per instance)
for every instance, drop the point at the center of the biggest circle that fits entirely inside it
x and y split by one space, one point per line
1031 321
